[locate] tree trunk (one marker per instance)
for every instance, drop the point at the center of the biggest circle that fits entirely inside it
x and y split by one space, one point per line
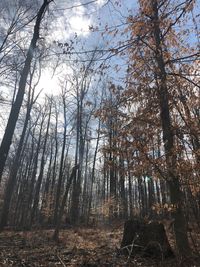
40 177
61 210
168 139
93 172
15 109
60 177
146 239
14 170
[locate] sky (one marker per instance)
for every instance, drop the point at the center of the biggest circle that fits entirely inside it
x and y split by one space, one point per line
65 18
63 22
78 20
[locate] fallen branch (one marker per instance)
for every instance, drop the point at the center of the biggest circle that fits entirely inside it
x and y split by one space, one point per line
61 261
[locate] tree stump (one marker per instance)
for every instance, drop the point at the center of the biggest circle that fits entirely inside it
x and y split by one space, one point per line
149 239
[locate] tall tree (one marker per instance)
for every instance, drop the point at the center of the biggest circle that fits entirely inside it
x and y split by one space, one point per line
15 109
60 176
180 227
15 167
42 165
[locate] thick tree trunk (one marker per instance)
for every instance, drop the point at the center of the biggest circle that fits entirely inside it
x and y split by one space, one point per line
146 239
14 170
15 109
168 140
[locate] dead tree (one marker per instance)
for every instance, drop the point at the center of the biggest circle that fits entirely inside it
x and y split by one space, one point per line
149 239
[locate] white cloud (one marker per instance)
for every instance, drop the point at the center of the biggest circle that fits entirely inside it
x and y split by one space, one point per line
48 84
67 22
101 2
80 25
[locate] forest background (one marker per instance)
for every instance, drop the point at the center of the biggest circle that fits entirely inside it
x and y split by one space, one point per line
99 113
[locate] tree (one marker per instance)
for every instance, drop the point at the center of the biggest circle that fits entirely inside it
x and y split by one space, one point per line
14 113
153 33
42 165
63 203
149 109
16 164
168 137
61 168
81 86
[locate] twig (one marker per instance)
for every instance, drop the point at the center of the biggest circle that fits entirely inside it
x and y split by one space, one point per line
129 248
62 262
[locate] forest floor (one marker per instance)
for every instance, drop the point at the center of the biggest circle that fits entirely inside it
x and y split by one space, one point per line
89 247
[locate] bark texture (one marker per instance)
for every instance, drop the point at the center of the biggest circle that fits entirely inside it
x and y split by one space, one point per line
14 113
147 239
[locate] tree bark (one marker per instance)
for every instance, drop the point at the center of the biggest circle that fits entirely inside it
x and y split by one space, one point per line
168 139
15 109
61 210
40 177
147 239
14 170
60 177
